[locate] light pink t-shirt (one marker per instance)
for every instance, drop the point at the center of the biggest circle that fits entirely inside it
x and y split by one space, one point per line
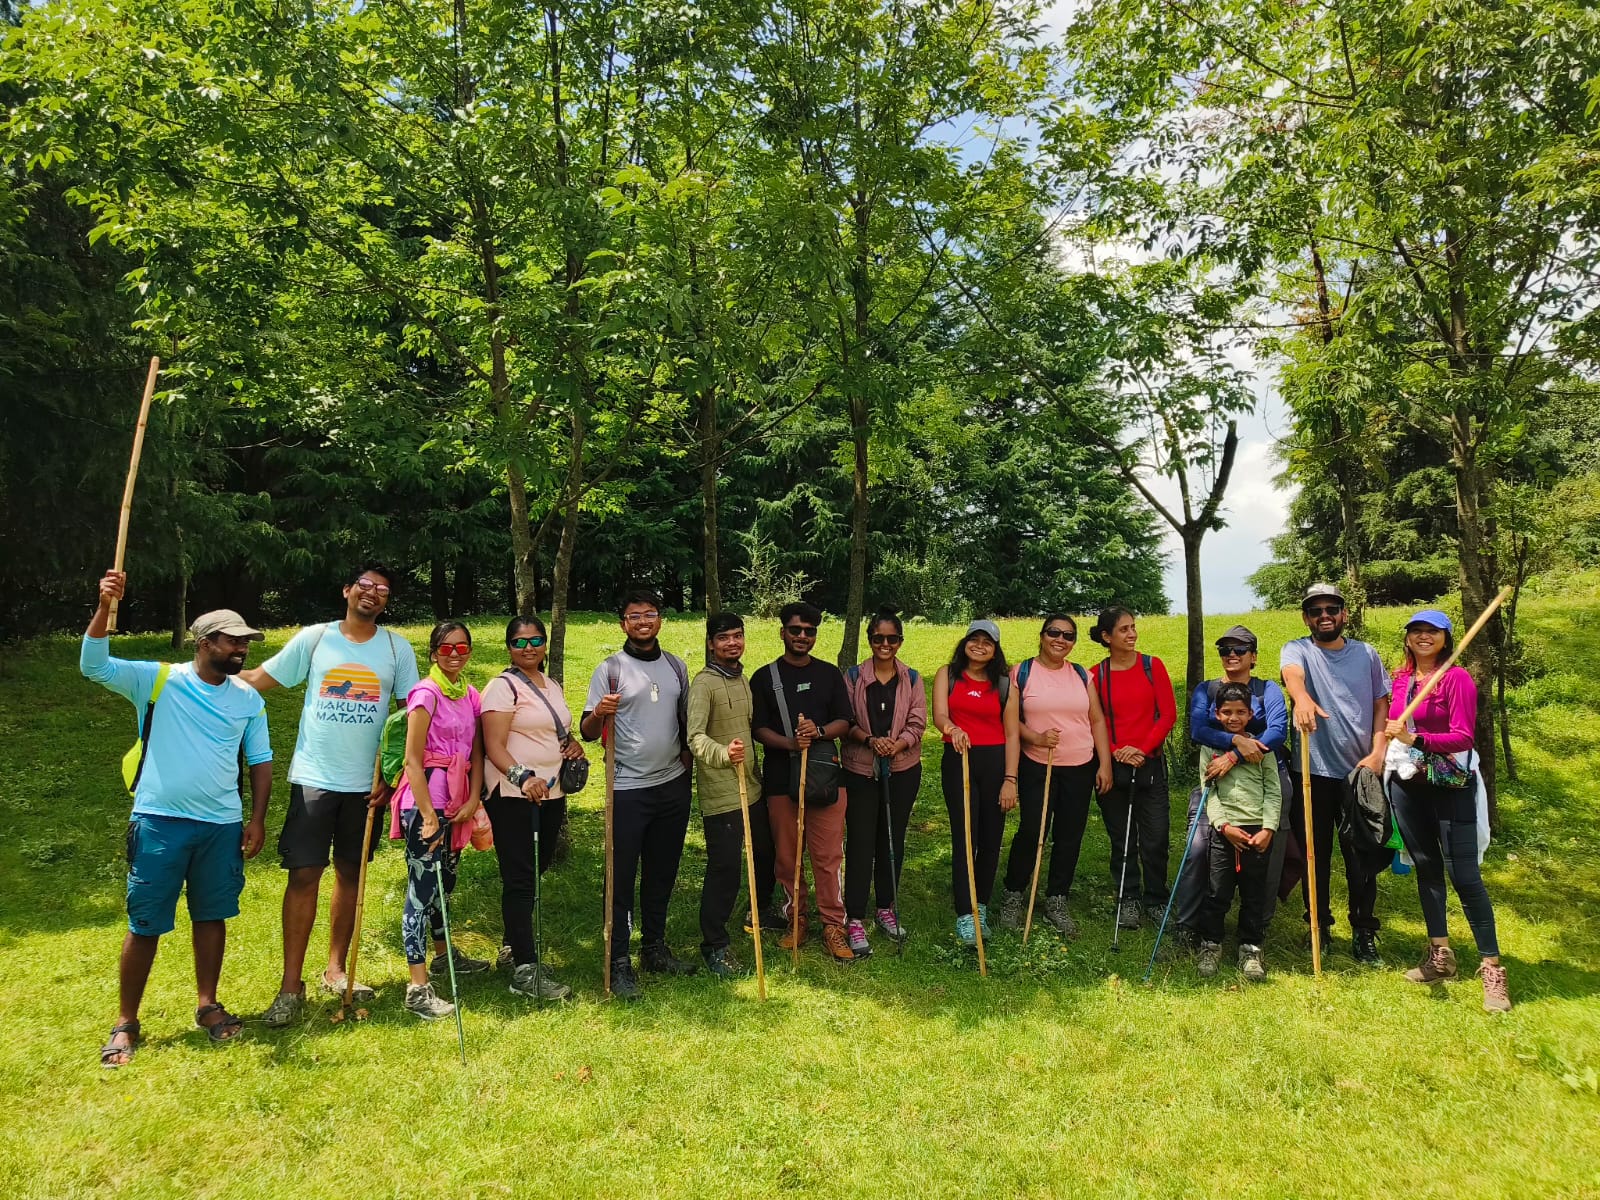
531 741
1060 700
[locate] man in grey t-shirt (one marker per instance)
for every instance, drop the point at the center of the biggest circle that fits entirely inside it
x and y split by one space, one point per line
1340 692
645 692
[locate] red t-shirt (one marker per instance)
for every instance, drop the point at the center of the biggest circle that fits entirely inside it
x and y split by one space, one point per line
975 706
1140 711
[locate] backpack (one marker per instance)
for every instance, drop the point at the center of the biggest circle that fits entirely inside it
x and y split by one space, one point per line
1024 669
1258 689
392 746
1364 816
133 760
614 683
394 653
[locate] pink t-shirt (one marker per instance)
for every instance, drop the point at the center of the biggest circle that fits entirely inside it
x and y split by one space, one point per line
1057 699
451 730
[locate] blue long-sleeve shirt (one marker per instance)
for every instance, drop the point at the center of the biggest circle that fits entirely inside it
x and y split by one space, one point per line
1269 719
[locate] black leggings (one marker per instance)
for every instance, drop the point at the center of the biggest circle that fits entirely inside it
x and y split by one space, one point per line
515 820
986 772
868 862
1068 815
1146 839
1439 826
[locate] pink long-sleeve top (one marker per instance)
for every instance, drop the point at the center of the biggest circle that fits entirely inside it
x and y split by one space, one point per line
1447 718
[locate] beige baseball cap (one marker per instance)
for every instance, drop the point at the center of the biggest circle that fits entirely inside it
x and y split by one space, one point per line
226 621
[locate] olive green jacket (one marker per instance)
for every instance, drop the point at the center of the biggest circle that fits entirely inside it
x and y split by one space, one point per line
719 712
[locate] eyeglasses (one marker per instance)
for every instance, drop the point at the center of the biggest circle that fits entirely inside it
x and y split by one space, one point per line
642 618
1063 635
1324 610
1230 649
885 639
526 643
801 630
453 650
366 585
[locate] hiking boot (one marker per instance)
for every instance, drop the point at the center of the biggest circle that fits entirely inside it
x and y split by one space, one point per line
788 939
724 964
1206 961
1364 948
426 1003
465 965
1495 996
285 1009
1011 914
624 983
1155 912
1128 914
1326 940
965 931
660 960
536 984
1185 939
334 985
890 924
503 960
856 931
1055 911
1438 963
1251 963
771 919
983 921
837 943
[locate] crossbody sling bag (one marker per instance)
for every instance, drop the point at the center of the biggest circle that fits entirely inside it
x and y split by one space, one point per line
574 773
822 759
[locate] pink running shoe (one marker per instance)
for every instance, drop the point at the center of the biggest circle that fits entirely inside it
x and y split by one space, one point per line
889 925
857 934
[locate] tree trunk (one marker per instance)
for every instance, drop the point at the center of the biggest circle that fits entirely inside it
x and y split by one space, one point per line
180 607
709 455
464 592
525 581
438 588
570 496
1195 620
1478 586
860 429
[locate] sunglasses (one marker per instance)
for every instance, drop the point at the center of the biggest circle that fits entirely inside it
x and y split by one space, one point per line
526 643
640 618
1229 649
1064 635
366 585
1324 610
809 631
453 650
885 639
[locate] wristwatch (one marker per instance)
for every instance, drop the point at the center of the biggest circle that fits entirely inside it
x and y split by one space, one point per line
519 774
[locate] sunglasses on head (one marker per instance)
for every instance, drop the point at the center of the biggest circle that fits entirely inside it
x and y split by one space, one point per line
1324 610
453 650
885 639
1228 649
800 630
527 643
366 585
1061 634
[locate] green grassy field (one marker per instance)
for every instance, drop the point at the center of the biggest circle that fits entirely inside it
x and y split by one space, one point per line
1061 1074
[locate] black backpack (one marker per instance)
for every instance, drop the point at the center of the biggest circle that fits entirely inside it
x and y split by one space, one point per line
1364 815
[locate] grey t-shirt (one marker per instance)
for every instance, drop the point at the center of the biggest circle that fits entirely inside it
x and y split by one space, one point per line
1347 683
649 735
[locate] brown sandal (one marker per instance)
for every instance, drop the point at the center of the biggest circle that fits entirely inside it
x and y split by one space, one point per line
224 1029
110 1053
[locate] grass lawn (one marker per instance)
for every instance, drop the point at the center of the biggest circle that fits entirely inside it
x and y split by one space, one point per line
1060 1074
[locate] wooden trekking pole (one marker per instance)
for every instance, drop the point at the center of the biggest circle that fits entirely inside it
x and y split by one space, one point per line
361 903
799 854
1038 855
1311 857
611 796
972 878
750 864
1433 680
133 474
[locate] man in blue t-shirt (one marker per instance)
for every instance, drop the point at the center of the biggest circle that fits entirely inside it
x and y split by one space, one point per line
186 832
1340 692
352 670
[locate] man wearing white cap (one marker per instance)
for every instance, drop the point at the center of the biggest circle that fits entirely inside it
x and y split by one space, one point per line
186 833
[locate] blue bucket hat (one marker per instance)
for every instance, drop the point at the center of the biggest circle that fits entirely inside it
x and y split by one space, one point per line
1431 616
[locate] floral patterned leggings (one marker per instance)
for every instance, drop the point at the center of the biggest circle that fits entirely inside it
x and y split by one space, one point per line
423 916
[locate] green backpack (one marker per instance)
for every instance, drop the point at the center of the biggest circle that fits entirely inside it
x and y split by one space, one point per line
133 760
392 747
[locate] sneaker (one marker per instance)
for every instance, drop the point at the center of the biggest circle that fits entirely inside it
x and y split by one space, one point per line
1206 961
624 983
536 984
1364 948
837 943
422 1000
660 960
1055 911
285 1009
964 930
1496 998
1252 964
503 960
724 964
334 985
1185 939
1155 912
465 965
1438 963
771 920
1128 914
856 931
890 924
1011 914
983 921
788 939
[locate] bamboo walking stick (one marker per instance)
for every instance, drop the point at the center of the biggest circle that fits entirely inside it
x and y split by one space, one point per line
361 903
750 864
1311 857
1433 681
133 474
611 794
799 853
1038 855
972 878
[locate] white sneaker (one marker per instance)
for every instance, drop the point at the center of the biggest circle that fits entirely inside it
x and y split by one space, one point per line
422 1000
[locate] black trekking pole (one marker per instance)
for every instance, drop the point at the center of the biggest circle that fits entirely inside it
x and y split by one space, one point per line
1199 815
538 925
1127 843
449 949
894 877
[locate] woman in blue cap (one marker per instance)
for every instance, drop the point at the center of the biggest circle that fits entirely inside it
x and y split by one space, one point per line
1434 795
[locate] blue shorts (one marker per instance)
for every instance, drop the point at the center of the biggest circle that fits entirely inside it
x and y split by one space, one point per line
167 853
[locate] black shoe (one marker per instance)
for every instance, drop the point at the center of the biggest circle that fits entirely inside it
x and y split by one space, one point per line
1364 948
771 919
659 960
722 963
1327 938
624 983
